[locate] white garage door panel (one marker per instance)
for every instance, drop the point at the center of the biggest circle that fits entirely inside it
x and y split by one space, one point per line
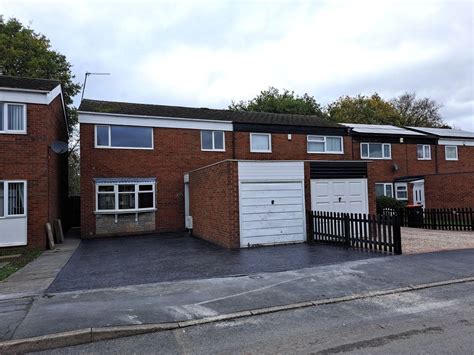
270 208
271 193
271 212
339 195
270 216
276 201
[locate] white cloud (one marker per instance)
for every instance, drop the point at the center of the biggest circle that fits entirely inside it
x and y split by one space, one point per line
208 53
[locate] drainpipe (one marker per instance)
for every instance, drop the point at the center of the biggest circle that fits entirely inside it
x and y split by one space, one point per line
233 144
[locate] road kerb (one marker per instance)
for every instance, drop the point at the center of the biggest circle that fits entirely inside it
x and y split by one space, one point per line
88 335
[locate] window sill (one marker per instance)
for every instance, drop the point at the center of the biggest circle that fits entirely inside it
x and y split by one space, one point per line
126 211
452 159
13 132
375 158
424 159
213 150
261 151
13 216
125 148
340 153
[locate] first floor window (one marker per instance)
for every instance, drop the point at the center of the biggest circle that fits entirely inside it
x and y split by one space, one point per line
125 197
12 118
401 191
12 198
451 152
323 144
384 189
423 152
260 143
123 137
375 151
212 140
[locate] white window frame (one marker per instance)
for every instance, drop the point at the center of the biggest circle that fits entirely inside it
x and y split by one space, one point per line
116 193
423 147
446 151
263 150
383 151
213 141
385 184
401 184
5 199
110 138
5 118
314 139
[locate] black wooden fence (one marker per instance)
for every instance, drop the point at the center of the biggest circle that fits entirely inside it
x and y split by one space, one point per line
460 219
372 232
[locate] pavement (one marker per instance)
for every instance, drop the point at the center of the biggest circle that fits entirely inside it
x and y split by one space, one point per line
436 320
35 278
146 259
182 301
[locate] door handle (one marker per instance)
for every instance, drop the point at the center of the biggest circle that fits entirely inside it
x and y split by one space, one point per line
340 199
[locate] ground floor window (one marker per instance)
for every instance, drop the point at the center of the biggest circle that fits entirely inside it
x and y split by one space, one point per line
401 191
125 197
384 189
12 198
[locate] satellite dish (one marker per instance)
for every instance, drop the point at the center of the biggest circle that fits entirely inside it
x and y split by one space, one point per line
59 147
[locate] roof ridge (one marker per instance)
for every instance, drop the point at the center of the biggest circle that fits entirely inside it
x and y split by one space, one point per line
29 78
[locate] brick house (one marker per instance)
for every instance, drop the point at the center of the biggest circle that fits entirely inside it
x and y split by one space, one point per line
33 179
235 178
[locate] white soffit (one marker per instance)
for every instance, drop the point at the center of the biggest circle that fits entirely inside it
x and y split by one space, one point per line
153 121
29 96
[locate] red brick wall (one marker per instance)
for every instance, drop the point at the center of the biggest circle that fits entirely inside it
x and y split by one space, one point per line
284 149
453 190
214 204
176 152
25 157
465 162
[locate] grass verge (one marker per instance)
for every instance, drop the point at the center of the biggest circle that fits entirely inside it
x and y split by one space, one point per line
15 264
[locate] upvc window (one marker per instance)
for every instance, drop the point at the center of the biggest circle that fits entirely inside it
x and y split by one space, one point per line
375 151
451 152
384 189
126 137
325 144
212 141
423 152
260 143
401 191
12 118
125 197
12 199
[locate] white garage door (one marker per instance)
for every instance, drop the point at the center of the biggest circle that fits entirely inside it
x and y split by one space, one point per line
271 213
339 195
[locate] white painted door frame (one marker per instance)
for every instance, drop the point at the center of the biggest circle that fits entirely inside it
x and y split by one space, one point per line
14 228
419 192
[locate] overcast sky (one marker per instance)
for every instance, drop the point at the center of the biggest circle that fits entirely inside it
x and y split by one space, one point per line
206 54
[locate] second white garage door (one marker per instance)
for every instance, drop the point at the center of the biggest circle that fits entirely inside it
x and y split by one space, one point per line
271 213
339 195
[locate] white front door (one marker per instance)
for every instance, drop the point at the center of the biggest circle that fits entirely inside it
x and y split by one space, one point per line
271 213
339 195
419 193
13 215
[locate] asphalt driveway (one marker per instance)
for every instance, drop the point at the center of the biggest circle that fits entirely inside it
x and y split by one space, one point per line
123 261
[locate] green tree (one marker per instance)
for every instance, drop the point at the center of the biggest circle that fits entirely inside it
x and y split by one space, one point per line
417 112
24 52
363 109
274 101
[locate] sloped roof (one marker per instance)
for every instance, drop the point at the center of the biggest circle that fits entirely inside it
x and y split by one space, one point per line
127 108
380 129
445 132
16 82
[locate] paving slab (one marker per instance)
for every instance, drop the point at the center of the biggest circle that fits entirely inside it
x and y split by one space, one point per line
37 276
124 261
194 299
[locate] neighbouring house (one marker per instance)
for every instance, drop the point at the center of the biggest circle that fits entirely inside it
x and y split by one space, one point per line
33 178
237 179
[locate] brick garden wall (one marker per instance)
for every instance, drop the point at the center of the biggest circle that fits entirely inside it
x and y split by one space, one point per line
453 190
214 204
28 157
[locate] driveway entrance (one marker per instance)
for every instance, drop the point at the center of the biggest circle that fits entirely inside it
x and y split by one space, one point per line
101 263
